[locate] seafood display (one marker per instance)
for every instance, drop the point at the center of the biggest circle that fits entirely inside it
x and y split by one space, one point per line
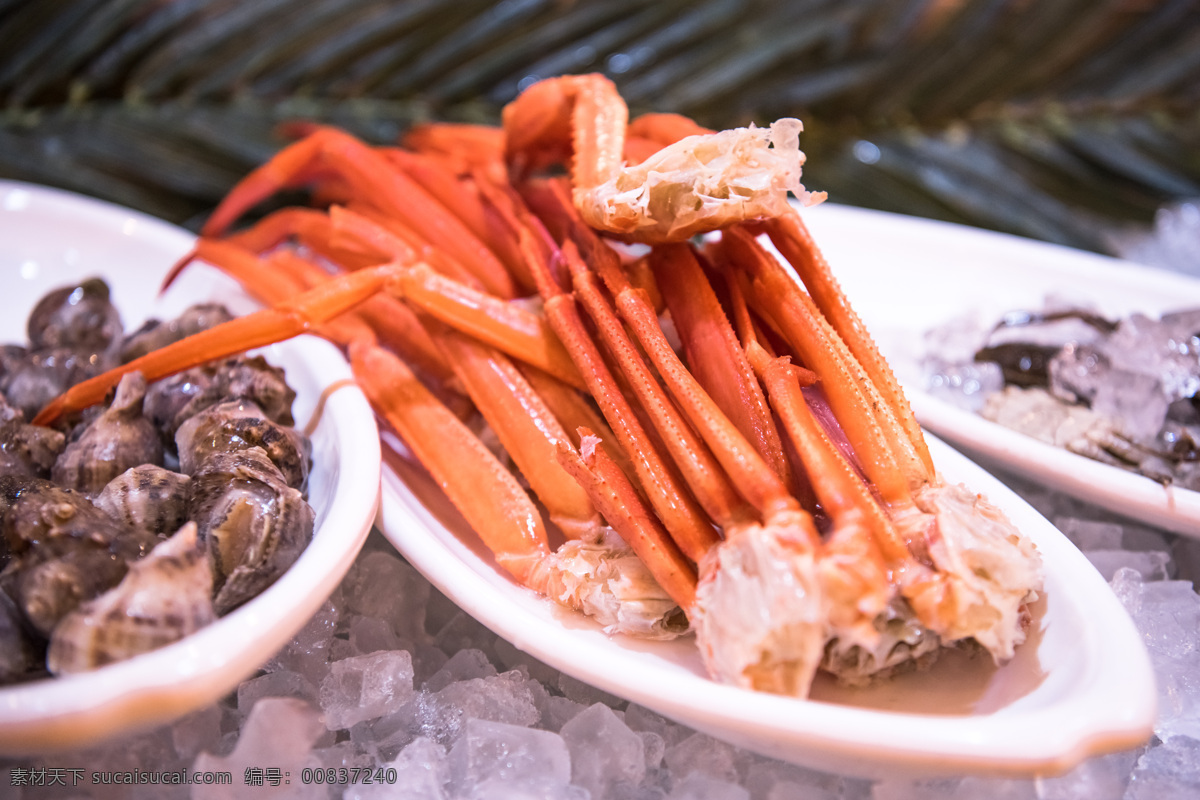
663 431
1123 392
133 524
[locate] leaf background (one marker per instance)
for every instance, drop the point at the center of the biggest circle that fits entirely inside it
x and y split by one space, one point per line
1066 120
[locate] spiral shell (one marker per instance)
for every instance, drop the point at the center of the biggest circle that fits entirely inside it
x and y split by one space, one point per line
164 597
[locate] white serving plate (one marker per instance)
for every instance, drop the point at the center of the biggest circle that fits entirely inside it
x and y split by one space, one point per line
49 238
1081 686
906 276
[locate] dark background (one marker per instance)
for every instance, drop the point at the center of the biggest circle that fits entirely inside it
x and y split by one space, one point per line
1065 120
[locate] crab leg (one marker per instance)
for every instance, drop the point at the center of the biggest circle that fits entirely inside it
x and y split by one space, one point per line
290 318
852 565
624 509
525 426
492 501
521 333
574 412
461 195
374 179
790 235
878 446
393 322
678 510
712 349
691 455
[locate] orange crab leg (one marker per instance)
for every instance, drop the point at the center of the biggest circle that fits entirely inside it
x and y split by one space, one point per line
791 236
486 494
287 319
680 513
576 119
373 225
525 426
621 505
691 455
519 332
285 273
469 146
820 349
461 195
716 357
573 410
374 180
855 575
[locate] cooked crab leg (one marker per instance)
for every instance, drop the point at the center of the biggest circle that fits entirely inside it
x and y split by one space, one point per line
290 318
525 426
572 409
882 449
461 195
852 566
713 352
621 505
698 184
393 322
699 468
984 571
760 614
659 479
374 180
492 501
513 329
790 235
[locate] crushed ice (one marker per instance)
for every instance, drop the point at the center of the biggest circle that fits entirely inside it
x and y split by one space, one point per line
402 680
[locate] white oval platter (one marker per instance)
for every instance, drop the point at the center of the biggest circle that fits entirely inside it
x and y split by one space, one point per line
906 275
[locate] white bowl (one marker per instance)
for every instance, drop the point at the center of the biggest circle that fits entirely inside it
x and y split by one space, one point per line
49 238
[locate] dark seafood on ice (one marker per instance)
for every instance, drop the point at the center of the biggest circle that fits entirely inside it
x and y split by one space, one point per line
99 557
1124 392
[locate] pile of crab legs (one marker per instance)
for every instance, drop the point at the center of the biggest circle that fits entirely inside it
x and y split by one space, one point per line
742 435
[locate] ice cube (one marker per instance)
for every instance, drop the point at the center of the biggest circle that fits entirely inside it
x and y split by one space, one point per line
511 658
507 697
604 751
371 634
463 665
366 687
587 694
278 734
463 632
1090 534
1167 613
775 780
1103 778
558 711
640 718
954 788
381 585
1152 566
1170 771
421 774
282 683
704 754
308 652
494 756
200 730
698 786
